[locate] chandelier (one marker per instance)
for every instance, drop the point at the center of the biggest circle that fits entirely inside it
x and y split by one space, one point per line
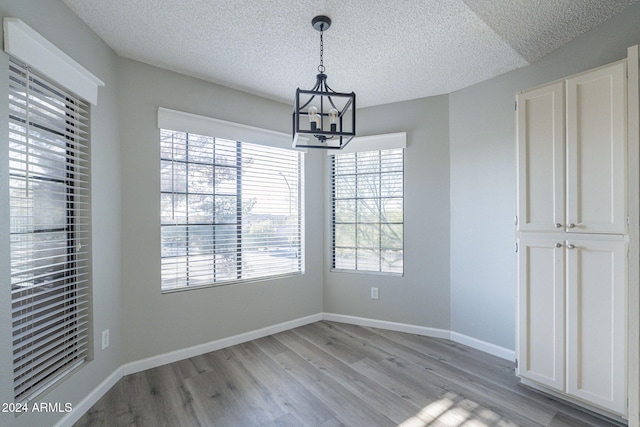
322 117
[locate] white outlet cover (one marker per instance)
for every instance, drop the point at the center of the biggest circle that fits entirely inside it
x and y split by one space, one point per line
105 339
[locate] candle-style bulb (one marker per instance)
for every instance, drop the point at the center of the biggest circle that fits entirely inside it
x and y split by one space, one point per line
313 117
333 119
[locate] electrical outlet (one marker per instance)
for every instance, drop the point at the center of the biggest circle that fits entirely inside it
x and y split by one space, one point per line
374 293
105 339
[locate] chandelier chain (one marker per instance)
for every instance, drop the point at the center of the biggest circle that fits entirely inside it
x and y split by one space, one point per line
321 66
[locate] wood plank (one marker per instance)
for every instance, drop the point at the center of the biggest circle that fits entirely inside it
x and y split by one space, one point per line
230 387
362 387
461 388
494 370
331 374
349 410
436 370
168 398
471 361
283 387
326 336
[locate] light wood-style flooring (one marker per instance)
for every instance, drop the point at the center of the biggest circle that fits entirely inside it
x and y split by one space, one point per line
333 374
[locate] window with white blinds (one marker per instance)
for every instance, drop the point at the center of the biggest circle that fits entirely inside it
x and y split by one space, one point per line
49 217
367 194
230 211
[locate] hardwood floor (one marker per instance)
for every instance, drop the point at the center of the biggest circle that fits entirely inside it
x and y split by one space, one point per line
333 374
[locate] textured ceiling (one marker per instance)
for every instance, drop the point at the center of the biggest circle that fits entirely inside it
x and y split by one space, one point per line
384 51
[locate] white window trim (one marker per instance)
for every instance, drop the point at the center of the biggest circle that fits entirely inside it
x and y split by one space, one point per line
40 362
362 144
189 123
24 43
193 123
385 141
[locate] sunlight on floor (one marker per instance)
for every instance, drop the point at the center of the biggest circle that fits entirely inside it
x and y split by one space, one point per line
454 411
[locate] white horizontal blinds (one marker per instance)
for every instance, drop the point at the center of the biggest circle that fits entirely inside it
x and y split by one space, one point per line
198 209
367 210
272 182
49 210
230 210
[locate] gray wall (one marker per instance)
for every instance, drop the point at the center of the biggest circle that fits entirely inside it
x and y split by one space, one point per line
460 197
159 323
459 207
421 296
483 188
60 26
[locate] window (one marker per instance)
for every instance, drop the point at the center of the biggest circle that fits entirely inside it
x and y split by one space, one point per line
367 211
49 216
231 211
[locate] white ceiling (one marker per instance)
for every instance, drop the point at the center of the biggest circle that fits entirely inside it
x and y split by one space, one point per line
384 51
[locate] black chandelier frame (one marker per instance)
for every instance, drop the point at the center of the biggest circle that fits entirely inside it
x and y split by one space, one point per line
335 123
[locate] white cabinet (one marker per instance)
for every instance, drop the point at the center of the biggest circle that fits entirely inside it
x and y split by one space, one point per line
596 322
541 154
597 151
572 154
572 317
573 237
541 311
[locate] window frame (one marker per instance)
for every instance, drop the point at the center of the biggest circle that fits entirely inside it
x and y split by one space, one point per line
379 144
51 305
241 148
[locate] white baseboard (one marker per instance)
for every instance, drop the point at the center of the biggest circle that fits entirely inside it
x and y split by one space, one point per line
495 350
391 326
483 346
89 400
185 353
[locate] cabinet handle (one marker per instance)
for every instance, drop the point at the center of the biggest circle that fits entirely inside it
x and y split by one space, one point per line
571 246
572 225
558 245
558 225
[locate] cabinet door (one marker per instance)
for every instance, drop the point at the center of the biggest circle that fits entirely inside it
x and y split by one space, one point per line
596 322
596 151
541 299
541 154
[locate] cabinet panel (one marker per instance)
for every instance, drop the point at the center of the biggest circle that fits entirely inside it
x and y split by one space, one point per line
541 311
596 150
596 322
541 151
572 183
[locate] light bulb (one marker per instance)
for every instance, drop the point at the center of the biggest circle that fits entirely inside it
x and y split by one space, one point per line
333 119
313 117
